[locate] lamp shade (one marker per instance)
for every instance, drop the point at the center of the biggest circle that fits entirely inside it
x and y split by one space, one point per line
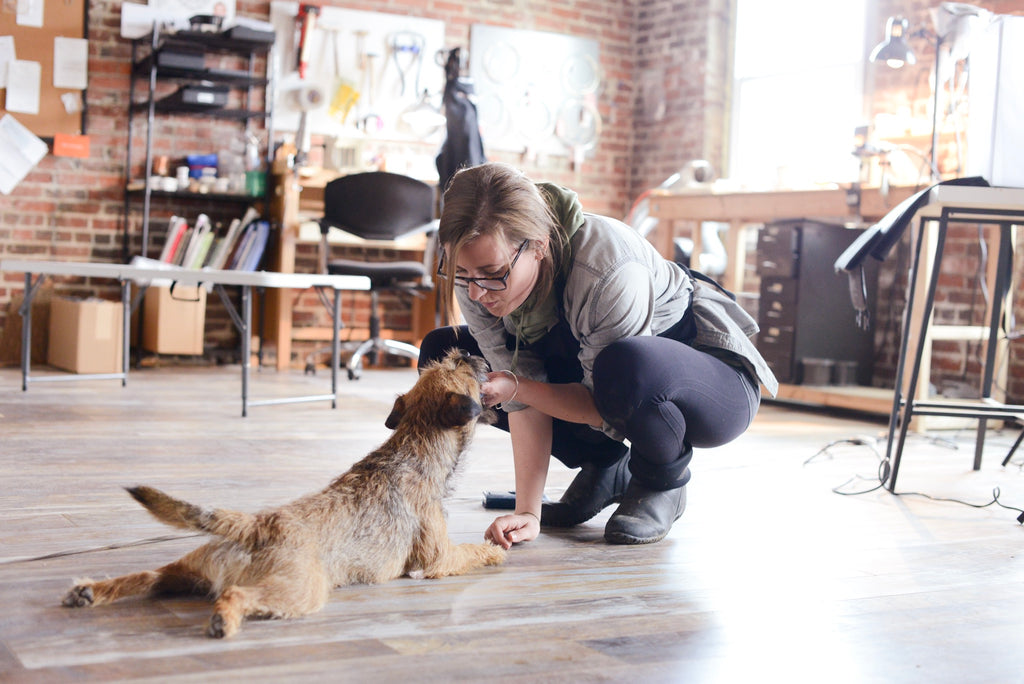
894 50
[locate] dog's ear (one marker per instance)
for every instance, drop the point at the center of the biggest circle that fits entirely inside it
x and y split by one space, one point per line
458 410
397 411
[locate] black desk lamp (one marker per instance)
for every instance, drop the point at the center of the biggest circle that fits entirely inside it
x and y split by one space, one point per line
894 50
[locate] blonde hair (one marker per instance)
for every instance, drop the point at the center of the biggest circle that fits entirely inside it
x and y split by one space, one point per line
498 200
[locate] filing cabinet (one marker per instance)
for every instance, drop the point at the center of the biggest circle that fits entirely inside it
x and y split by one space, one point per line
804 310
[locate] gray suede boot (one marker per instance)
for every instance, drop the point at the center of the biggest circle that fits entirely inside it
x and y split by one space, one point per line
591 491
645 515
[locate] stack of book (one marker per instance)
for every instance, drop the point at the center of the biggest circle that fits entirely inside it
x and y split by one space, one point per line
239 248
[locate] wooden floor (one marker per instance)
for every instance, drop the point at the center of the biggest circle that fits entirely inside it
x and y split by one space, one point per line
769 576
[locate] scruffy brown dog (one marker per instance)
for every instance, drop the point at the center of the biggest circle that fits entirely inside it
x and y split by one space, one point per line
382 519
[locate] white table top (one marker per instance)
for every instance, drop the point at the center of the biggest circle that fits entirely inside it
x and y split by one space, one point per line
155 273
967 197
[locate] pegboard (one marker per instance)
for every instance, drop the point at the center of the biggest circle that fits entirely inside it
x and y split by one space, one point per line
389 59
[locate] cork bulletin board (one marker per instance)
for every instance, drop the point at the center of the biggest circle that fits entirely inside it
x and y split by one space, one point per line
61 19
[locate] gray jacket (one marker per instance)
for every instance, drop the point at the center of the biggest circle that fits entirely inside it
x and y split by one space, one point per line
620 286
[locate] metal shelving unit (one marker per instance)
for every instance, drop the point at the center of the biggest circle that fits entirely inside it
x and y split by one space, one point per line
146 68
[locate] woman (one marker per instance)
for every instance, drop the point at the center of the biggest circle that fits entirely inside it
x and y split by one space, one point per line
593 338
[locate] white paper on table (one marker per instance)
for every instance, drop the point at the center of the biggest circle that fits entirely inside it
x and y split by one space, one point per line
30 13
70 63
20 151
23 79
6 57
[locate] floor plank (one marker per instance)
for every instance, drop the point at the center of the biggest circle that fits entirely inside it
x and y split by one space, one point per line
769 574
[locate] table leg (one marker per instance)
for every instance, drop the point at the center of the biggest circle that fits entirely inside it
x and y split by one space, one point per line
126 329
335 344
919 343
26 331
244 332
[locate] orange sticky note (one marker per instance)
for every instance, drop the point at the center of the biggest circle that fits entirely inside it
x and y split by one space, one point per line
65 145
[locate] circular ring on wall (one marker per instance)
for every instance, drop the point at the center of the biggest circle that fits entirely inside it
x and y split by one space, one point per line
493 116
533 118
501 62
580 74
578 125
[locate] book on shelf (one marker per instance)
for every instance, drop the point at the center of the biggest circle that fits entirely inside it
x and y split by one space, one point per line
176 228
200 233
219 254
241 246
251 246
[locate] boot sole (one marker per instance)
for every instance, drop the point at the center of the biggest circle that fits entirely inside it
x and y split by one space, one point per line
629 540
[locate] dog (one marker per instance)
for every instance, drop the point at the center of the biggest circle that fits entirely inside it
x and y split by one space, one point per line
382 519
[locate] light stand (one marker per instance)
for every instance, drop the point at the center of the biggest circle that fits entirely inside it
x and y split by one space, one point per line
895 51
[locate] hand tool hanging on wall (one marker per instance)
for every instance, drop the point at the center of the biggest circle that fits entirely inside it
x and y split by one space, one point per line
408 46
345 94
305 24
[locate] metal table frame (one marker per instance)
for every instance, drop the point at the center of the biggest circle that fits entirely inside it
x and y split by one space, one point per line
993 211
143 276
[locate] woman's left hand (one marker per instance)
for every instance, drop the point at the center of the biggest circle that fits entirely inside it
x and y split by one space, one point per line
512 529
499 388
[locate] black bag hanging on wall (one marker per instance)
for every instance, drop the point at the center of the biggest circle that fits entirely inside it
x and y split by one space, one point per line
463 145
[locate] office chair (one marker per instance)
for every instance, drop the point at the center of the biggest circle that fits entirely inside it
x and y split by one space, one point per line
380 206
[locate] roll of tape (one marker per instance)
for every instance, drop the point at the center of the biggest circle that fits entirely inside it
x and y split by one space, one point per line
309 97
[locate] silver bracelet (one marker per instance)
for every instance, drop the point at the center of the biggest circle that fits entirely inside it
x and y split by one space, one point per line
514 392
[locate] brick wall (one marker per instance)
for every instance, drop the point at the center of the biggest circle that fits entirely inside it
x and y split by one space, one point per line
664 101
682 55
73 209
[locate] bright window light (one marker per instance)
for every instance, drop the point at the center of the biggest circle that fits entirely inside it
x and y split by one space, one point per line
797 93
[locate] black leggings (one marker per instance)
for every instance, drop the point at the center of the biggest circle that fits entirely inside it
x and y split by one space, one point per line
664 396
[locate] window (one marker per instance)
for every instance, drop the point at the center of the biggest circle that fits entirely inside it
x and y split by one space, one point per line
797 91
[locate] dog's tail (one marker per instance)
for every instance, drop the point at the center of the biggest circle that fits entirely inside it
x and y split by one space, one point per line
231 525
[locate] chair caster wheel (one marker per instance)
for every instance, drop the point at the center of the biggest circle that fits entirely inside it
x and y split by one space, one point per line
353 374
310 369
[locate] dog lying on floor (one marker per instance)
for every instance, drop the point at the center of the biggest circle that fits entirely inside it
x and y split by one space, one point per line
382 519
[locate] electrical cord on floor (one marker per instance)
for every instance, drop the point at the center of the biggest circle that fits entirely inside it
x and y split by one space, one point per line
884 470
108 547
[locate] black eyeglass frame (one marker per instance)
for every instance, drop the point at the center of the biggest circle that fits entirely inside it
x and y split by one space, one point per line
502 281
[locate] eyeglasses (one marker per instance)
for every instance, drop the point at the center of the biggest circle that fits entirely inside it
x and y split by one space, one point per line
494 284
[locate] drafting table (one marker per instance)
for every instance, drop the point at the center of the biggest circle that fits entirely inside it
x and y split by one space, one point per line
153 272
961 201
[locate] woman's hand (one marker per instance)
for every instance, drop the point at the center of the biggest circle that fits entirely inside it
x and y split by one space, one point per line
500 387
512 529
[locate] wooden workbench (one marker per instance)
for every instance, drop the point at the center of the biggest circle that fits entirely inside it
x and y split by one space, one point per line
677 212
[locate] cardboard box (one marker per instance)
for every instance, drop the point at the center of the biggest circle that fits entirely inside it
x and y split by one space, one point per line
174 324
86 335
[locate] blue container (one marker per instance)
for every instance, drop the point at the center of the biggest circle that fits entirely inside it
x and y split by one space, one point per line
198 162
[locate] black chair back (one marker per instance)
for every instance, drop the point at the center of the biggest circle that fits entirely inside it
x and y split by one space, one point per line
377 205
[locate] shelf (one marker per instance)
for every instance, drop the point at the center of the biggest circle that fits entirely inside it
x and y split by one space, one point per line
183 58
230 77
137 189
873 400
216 42
161 107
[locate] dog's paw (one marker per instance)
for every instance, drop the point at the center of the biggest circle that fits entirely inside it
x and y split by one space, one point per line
216 628
79 596
493 554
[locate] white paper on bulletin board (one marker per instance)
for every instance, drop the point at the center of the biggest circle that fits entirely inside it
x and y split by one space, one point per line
389 59
530 85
